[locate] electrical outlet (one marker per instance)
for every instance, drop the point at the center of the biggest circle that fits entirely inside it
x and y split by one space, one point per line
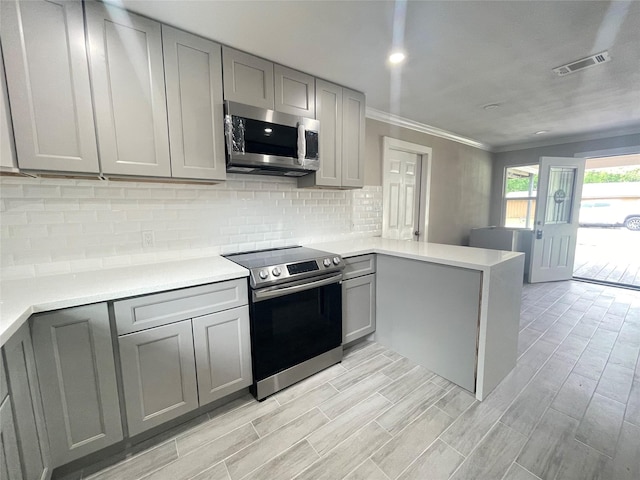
147 239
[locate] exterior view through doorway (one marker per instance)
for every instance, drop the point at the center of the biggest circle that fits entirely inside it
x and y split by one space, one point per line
608 216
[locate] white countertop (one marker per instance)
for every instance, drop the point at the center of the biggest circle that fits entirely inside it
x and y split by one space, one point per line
456 256
21 298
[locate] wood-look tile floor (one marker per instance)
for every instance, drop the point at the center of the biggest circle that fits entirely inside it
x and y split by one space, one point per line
569 410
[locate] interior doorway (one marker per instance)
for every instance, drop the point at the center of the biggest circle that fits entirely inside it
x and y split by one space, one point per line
406 173
609 234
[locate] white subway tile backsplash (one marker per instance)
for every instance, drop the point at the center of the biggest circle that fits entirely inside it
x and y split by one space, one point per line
40 191
51 226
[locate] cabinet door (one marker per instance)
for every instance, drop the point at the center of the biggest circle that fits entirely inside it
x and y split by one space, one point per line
27 405
295 92
158 375
193 73
353 111
247 79
9 456
74 356
329 113
4 390
8 160
48 78
223 353
128 84
358 307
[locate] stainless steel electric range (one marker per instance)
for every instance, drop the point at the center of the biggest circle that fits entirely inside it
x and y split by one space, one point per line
295 301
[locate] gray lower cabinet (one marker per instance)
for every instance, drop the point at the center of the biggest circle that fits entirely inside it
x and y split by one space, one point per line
48 82
158 375
9 456
193 73
27 406
358 307
76 368
223 353
358 297
127 76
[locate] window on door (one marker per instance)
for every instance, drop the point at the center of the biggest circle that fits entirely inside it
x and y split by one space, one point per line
519 200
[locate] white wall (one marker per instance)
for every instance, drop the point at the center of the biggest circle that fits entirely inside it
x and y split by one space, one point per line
50 226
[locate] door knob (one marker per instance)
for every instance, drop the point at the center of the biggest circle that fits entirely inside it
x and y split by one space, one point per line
417 233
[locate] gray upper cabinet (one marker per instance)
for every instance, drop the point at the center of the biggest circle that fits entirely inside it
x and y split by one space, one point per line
74 358
329 113
193 74
247 79
8 161
125 52
48 81
341 113
9 456
294 92
223 353
158 375
27 406
353 123
4 390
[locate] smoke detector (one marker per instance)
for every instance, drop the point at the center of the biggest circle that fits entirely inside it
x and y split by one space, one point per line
583 63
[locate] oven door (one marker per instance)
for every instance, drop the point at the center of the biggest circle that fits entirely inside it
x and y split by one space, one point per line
294 323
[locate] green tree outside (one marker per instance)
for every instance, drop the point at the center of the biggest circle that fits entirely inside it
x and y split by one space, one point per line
522 184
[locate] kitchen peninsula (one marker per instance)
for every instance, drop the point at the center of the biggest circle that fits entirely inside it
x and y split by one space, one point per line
452 309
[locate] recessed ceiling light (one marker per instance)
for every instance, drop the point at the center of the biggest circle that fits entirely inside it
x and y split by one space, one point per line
541 132
491 106
397 57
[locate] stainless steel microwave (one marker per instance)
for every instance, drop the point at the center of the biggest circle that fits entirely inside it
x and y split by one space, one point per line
261 141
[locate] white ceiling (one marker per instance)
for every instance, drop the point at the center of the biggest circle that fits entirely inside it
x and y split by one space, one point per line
462 55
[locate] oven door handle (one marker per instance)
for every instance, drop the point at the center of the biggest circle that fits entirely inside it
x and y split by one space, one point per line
274 292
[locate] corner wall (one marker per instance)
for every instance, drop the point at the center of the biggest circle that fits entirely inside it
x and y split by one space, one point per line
460 181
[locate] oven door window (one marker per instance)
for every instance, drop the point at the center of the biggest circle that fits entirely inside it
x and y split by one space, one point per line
288 330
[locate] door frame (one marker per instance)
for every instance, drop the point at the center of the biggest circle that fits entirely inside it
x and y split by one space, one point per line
426 159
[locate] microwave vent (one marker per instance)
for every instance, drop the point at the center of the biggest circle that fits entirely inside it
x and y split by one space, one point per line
583 63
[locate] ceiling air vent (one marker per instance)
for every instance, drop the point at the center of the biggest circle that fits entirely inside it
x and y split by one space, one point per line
583 63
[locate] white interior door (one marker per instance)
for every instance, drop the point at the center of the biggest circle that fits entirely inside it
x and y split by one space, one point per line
405 190
556 221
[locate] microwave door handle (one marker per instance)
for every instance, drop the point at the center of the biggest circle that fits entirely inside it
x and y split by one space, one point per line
302 143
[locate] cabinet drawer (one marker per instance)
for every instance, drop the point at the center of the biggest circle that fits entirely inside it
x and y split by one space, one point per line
359 266
140 313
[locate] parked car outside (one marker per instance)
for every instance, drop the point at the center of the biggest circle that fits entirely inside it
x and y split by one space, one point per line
609 213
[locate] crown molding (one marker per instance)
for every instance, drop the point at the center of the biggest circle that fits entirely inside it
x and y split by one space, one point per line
582 137
399 121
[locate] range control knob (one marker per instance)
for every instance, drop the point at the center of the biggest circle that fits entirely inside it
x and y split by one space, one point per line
276 272
326 262
336 260
263 274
